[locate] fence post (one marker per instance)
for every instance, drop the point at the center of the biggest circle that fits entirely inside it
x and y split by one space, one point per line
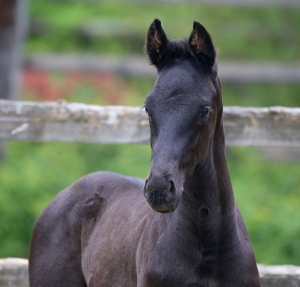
13 23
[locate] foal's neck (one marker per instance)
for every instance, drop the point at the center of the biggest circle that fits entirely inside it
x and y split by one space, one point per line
208 204
209 189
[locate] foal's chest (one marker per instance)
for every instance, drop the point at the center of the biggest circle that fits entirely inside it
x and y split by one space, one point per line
183 276
168 265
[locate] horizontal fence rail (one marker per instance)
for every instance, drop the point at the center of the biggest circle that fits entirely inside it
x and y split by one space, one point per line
73 122
14 272
229 71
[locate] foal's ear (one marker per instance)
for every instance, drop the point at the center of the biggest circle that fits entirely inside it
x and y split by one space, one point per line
201 44
156 42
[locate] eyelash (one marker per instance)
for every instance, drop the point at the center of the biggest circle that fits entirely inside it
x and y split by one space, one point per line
146 109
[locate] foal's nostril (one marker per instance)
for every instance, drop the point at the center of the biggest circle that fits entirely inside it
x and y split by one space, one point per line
172 186
157 184
169 197
169 186
146 184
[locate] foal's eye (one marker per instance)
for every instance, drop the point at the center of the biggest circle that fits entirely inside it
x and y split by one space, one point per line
146 109
204 113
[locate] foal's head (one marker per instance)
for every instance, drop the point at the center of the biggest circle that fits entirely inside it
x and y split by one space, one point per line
184 109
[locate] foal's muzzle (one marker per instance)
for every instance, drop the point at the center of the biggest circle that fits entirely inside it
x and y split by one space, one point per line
160 194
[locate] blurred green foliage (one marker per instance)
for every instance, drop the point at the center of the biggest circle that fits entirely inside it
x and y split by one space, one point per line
258 33
33 173
268 195
267 192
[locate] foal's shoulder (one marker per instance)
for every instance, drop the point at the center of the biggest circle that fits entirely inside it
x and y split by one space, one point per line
105 186
103 180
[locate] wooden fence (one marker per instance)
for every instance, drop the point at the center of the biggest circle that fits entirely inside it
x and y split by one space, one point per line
229 71
14 273
73 122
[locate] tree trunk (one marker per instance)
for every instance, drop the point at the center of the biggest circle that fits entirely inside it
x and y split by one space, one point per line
12 32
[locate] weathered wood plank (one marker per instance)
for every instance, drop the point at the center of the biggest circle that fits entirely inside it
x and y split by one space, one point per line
270 127
73 122
229 71
279 276
14 273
